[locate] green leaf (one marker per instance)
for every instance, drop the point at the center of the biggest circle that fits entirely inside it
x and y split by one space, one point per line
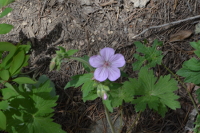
122 94
23 80
2 120
90 96
3 105
6 46
78 80
71 52
191 71
8 93
198 94
5 12
5 2
196 45
87 87
197 124
157 94
32 111
5 28
17 62
151 56
5 75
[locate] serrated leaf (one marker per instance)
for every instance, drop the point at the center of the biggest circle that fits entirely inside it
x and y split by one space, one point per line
23 80
196 45
78 80
151 56
4 74
32 111
2 120
87 87
191 71
90 96
121 94
5 12
158 94
5 28
43 100
8 93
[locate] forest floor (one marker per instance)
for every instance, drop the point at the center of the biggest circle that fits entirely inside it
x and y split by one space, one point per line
90 25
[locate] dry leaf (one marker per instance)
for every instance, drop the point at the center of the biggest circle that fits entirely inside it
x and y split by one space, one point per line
181 35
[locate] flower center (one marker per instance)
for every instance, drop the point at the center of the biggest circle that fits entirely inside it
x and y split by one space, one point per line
106 64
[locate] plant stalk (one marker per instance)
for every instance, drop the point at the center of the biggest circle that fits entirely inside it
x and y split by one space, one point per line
191 98
82 61
109 120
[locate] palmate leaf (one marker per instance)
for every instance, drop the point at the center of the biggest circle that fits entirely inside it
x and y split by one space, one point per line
31 112
151 56
191 71
121 94
155 93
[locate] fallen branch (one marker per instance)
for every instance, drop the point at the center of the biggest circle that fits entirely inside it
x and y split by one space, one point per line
167 24
108 3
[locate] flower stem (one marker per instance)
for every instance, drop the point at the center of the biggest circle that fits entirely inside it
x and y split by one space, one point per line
138 116
191 98
109 120
82 61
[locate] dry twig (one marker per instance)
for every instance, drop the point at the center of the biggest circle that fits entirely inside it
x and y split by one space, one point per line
167 24
108 3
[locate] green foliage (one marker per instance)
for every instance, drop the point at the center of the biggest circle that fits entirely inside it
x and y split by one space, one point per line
196 45
151 56
5 12
5 28
197 126
156 93
87 85
12 64
2 120
191 68
60 55
30 108
5 2
191 71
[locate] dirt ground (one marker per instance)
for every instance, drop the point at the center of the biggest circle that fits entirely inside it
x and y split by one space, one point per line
89 25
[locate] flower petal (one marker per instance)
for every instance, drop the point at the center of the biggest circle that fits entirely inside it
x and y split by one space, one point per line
96 61
113 73
106 53
117 60
101 74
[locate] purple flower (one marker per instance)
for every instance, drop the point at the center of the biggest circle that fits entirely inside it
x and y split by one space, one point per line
107 64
